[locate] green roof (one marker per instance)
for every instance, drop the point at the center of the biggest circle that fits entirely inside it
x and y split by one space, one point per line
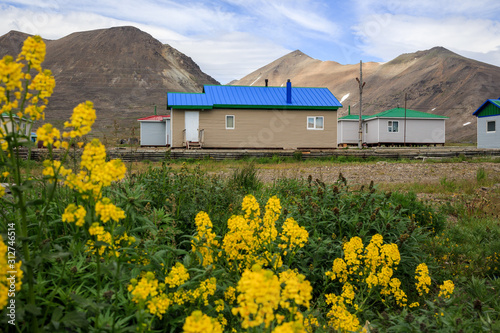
396 113
400 113
489 108
354 117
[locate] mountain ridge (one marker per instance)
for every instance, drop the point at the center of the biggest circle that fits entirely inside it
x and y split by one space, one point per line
436 80
124 71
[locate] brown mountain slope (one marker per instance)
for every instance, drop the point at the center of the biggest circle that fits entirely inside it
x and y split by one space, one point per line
123 70
436 81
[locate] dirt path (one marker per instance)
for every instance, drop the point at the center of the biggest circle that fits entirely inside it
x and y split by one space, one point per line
383 172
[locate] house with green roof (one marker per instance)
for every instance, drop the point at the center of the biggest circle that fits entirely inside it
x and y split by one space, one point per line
254 117
488 117
396 126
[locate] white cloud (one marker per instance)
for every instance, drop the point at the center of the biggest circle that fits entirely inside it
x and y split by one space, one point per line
225 56
230 56
431 8
386 36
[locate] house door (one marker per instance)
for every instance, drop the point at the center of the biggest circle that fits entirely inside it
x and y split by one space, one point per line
192 122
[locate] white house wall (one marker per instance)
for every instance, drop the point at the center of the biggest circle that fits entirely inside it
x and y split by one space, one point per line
417 131
425 131
153 134
488 139
373 131
348 132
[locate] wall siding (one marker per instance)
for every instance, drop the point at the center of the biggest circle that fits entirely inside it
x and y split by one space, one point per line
417 131
153 134
488 140
261 129
177 121
348 132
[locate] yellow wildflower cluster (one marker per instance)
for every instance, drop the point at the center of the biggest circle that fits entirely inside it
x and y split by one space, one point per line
206 288
204 241
95 172
113 243
158 297
373 265
108 211
261 293
178 275
198 322
2 191
339 317
33 52
145 287
259 297
82 119
250 239
290 327
8 287
75 214
12 78
446 289
293 234
423 279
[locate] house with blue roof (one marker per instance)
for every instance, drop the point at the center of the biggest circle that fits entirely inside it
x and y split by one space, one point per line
396 126
488 117
254 117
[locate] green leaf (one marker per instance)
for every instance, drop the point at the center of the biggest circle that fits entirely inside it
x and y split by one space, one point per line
75 319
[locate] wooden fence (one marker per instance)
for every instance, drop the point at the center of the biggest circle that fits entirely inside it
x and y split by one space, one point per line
142 154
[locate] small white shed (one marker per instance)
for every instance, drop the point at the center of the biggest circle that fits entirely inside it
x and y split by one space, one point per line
156 131
394 127
488 119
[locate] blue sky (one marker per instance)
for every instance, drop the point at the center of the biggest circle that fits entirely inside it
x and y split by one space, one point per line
231 38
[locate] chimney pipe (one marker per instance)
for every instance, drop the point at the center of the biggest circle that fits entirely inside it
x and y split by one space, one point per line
267 81
288 92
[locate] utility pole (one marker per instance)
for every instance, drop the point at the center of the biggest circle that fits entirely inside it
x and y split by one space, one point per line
406 97
361 85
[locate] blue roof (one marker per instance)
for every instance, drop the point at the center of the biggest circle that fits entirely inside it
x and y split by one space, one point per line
254 97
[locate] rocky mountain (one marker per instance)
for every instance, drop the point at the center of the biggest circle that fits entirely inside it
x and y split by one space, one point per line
123 70
436 81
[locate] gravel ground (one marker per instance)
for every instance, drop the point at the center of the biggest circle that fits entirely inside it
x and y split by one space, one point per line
383 172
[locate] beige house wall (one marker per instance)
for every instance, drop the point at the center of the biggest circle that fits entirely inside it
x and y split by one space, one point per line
260 129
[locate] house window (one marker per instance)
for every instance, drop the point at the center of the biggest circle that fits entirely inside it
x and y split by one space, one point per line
315 123
490 126
366 127
393 126
229 122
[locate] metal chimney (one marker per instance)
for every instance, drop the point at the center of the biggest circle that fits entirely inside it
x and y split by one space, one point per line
288 92
267 81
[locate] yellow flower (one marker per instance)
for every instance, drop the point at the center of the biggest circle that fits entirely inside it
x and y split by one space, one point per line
204 241
158 305
198 322
108 211
82 119
446 289
296 291
423 279
145 287
259 297
33 52
177 276
48 134
72 213
339 317
293 234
